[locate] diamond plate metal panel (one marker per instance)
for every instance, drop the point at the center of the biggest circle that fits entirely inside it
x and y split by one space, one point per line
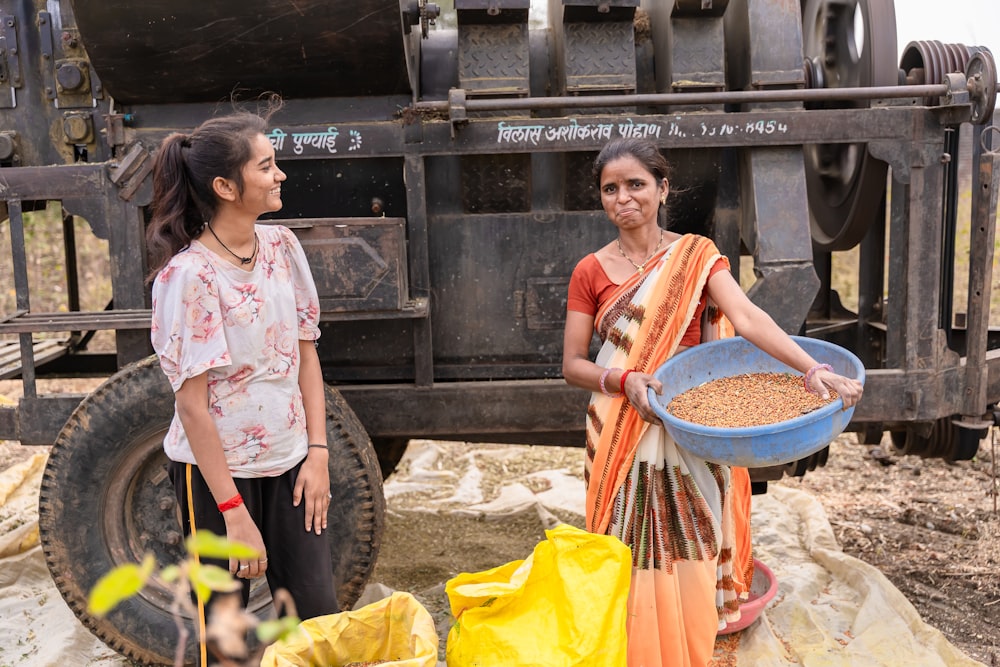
697 54
493 59
599 57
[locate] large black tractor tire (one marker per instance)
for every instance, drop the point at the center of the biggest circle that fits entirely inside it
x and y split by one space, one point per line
106 500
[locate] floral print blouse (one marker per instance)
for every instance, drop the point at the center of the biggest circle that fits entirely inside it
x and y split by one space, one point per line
243 328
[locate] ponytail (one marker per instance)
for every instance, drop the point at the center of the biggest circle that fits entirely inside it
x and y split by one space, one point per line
176 219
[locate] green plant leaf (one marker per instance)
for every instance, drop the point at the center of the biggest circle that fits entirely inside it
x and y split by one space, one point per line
206 578
201 590
170 574
219 579
207 544
270 631
119 584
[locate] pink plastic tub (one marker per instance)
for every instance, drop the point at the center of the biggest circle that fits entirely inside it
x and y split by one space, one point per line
762 589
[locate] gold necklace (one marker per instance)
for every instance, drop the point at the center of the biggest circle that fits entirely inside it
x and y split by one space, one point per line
640 267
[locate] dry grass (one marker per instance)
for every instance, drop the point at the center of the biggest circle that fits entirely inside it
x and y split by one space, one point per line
46 260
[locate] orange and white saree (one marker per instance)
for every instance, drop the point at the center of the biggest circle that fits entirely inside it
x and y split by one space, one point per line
686 520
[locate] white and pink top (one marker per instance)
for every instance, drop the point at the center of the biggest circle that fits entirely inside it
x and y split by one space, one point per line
243 328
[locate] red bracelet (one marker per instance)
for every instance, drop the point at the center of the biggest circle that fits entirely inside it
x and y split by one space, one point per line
232 503
625 375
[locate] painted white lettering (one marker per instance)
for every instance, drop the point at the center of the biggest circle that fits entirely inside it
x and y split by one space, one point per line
320 140
277 138
518 133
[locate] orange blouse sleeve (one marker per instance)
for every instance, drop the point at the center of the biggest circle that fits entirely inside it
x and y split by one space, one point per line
587 285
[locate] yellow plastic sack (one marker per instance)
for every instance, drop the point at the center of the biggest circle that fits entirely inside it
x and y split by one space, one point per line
396 629
565 605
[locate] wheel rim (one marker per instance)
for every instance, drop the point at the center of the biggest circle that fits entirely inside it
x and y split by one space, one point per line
141 516
140 512
846 43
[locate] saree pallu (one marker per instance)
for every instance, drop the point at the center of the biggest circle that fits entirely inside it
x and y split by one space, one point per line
686 520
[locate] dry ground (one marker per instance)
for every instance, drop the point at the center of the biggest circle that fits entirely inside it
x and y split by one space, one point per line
928 525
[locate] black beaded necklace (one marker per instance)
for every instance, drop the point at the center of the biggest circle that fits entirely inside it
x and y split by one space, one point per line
243 260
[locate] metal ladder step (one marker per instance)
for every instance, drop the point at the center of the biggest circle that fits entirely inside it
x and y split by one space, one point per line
43 350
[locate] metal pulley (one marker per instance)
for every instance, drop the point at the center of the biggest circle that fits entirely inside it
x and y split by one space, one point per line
981 74
931 61
846 43
429 12
422 13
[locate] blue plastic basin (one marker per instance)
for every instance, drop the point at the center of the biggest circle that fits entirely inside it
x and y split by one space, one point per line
752 446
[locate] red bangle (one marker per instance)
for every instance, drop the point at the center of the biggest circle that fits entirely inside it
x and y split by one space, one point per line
625 375
232 503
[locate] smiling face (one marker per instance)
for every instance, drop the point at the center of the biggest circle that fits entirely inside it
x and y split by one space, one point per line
261 179
630 193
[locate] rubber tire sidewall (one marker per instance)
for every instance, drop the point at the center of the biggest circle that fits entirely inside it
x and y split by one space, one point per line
81 487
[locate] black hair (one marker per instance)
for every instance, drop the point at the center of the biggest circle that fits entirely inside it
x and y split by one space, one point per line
183 171
643 150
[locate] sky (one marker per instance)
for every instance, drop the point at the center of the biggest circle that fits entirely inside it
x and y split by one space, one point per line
969 22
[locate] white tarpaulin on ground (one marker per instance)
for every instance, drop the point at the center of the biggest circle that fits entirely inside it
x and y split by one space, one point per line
831 609
36 626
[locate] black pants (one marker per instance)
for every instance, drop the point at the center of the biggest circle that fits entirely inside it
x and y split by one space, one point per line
297 561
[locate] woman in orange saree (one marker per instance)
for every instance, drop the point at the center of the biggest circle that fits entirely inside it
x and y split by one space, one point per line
686 520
